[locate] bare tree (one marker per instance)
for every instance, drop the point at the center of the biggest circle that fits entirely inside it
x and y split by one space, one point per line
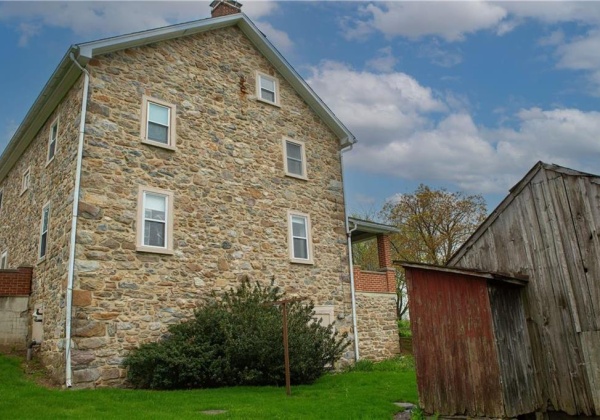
433 224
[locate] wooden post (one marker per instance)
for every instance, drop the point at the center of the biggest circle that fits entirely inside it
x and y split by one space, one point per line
286 349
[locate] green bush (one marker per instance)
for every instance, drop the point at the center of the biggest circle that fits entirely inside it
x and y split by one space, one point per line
237 340
404 328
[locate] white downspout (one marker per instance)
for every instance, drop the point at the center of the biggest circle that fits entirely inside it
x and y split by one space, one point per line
71 272
351 264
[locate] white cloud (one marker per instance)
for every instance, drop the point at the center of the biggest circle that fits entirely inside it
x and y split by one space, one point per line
377 104
439 56
449 20
384 61
101 18
280 39
401 135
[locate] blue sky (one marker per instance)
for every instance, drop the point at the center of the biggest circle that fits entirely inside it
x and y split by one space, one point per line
461 95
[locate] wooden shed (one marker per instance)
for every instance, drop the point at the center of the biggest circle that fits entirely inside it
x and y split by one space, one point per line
548 229
470 342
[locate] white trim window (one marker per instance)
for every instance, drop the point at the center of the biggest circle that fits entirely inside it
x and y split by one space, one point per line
26 180
44 226
294 158
300 241
1 198
158 123
267 88
155 221
4 260
52 140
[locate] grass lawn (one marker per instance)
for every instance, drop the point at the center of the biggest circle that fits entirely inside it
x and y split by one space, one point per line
365 393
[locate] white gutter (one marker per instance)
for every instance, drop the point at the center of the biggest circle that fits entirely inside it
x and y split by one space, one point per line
71 273
351 264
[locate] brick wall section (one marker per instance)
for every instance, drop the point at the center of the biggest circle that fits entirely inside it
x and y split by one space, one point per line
384 251
224 9
375 281
382 281
16 282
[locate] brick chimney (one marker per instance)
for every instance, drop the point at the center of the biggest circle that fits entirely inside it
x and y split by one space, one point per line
224 7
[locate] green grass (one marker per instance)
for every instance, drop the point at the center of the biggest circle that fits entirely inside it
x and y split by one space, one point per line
355 394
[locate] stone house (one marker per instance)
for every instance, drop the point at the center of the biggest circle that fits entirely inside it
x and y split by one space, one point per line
157 167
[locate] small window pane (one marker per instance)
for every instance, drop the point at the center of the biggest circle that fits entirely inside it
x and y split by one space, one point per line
299 226
267 96
158 114
268 84
300 248
155 207
54 132
158 133
51 149
43 245
45 219
154 233
294 150
294 166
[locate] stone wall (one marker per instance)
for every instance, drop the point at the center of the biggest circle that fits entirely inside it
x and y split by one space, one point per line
231 195
377 325
20 219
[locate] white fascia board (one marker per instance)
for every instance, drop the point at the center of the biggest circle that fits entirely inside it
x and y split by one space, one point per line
65 75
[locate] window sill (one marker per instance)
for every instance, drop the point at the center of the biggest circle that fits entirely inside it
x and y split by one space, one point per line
264 101
49 162
303 262
154 250
301 177
23 192
41 260
158 144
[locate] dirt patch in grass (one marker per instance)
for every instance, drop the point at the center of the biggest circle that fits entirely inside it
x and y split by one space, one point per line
32 369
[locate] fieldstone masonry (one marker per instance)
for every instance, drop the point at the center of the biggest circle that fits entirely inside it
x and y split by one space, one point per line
231 199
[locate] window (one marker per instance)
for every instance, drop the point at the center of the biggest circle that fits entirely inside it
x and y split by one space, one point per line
267 88
299 238
26 180
4 260
52 138
158 123
294 158
1 197
155 221
44 230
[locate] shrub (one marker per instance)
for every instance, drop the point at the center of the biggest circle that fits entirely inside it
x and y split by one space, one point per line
237 340
404 328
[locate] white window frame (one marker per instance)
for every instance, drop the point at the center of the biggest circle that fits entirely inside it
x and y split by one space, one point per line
52 140
293 259
1 199
169 195
4 261
44 232
26 180
300 143
171 132
259 76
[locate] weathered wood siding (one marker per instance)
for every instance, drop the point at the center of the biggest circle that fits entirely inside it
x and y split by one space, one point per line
549 231
453 342
519 387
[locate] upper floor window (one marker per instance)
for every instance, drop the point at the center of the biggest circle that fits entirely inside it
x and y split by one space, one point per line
158 123
1 198
52 139
155 221
4 260
300 241
294 158
44 230
267 88
26 180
